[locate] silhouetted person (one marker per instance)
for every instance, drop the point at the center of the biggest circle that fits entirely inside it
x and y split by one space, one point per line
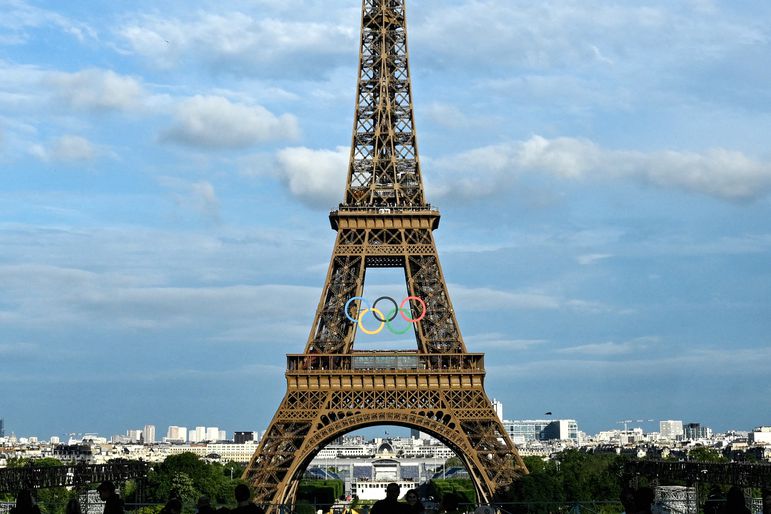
244 505
735 502
390 504
627 500
112 502
25 504
173 506
414 503
714 501
766 501
203 506
450 502
73 507
643 499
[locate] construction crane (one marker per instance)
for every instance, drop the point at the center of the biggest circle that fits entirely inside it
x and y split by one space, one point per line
626 425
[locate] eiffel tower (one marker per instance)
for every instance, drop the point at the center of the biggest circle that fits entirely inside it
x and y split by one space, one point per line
384 221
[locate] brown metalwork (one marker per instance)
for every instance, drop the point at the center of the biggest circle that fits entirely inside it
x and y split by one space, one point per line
333 389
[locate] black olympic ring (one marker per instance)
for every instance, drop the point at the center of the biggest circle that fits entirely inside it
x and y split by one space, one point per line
395 310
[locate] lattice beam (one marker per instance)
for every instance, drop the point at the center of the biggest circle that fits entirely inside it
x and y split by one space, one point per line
33 477
384 169
463 420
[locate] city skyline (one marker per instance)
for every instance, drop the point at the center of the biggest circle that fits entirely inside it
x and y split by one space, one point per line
167 177
201 433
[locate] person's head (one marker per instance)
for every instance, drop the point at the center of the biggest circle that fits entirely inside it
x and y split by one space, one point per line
643 498
392 491
203 503
24 500
242 493
450 502
106 489
173 506
73 507
735 496
411 497
766 501
627 499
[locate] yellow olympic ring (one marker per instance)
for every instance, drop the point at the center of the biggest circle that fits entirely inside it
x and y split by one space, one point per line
371 332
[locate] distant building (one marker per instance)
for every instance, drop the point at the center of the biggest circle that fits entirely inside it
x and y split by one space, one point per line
54 440
176 434
693 431
148 434
212 434
2 427
498 408
761 435
224 452
417 434
671 430
526 430
200 435
242 437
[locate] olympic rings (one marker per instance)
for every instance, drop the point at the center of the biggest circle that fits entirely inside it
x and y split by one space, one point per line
384 320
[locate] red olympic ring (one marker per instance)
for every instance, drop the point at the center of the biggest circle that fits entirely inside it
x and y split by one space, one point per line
420 301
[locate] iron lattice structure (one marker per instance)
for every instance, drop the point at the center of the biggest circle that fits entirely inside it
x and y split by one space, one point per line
77 475
742 474
384 221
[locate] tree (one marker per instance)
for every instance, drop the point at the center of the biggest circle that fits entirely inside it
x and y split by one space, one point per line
187 473
704 454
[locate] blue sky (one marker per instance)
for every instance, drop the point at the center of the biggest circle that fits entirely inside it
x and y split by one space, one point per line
602 168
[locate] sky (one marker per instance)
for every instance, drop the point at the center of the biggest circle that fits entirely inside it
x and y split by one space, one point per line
166 171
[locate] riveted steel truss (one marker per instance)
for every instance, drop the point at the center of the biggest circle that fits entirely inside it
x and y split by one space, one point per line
333 389
326 400
384 169
76 475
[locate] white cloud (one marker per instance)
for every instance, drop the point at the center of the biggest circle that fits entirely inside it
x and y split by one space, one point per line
591 258
199 197
446 115
314 176
215 122
720 173
501 341
16 16
10 350
610 348
66 149
76 298
484 298
96 90
240 42
579 33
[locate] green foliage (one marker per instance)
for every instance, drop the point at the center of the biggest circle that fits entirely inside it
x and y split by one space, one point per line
303 507
703 454
571 476
53 500
188 476
322 493
463 488
183 488
453 462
